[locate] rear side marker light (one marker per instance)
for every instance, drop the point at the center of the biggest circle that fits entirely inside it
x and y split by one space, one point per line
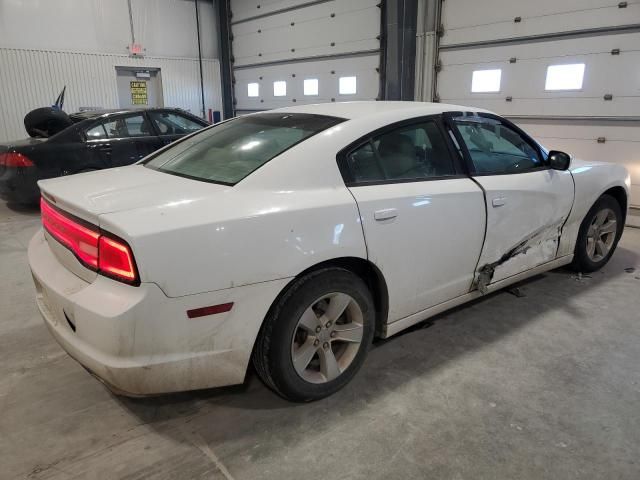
95 249
15 159
212 310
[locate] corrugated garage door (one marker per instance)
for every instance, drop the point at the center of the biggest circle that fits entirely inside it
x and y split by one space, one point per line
600 39
291 52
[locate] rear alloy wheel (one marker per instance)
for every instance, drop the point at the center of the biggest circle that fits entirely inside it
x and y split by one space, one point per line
327 338
599 234
316 336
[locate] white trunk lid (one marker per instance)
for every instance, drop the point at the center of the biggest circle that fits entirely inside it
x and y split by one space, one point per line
89 195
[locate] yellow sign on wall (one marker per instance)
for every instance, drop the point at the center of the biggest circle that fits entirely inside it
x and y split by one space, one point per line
139 93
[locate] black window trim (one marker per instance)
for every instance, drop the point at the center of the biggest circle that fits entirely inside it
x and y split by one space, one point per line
347 174
470 167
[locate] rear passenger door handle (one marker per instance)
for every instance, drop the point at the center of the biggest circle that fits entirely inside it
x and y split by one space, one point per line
386 214
498 201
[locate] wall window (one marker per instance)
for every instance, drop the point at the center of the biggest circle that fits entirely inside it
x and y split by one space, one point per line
279 88
565 77
253 90
347 85
486 81
311 86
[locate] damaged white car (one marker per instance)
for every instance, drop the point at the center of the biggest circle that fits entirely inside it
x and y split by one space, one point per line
292 238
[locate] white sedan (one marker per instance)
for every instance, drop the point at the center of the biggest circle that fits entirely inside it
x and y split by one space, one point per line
292 238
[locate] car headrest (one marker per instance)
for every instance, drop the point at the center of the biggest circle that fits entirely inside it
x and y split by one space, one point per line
396 144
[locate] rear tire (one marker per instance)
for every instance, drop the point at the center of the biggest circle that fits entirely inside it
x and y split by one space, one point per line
316 336
599 234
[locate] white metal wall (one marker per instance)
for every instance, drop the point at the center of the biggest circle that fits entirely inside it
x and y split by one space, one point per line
46 44
165 28
293 40
33 78
523 39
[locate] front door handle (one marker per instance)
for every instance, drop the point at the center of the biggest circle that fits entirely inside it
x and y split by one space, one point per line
386 214
498 201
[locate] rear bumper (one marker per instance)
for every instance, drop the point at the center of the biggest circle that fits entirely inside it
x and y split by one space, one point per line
138 340
20 184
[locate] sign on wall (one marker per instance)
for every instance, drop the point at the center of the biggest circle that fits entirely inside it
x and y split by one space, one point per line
139 92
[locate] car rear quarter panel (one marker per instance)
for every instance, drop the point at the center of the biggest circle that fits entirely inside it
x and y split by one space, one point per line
239 238
591 179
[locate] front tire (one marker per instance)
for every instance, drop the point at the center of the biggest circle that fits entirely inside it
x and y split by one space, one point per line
599 234
316 337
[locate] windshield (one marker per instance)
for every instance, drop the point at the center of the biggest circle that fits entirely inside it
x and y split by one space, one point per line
229 152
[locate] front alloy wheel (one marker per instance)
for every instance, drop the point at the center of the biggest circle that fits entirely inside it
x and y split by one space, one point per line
599 234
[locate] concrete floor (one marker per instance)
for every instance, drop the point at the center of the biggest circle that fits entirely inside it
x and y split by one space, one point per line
545 386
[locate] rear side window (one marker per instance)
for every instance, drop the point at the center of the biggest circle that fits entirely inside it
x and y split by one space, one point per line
414 152
169 123
121 127
96 132
232 150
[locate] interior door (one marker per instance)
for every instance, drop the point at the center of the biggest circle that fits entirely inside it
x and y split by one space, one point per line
527 202
422 219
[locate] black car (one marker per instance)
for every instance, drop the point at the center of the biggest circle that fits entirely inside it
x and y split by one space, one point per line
93 140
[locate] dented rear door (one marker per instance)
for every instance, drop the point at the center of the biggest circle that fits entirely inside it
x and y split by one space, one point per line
527 202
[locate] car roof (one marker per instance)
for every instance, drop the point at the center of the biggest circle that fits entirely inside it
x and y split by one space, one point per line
364 109
106 112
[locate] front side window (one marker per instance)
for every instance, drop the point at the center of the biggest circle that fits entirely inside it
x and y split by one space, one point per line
169 123
495 148
230 151
414 152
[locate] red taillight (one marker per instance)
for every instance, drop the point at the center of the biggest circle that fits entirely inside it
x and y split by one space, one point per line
98 251
80 239
116 260
14 159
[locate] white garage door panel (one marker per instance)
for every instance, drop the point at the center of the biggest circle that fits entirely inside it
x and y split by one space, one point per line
524 80
622 143
363 68
469 21
243 9
557 107
354 27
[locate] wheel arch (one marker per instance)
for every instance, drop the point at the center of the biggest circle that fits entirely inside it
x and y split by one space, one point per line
620 195
367 271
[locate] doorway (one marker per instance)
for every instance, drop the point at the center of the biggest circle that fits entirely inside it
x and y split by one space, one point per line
139 87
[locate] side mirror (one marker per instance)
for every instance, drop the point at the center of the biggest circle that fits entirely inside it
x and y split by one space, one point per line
559 160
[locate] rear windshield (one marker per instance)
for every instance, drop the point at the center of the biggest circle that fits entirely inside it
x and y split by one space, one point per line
232 150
